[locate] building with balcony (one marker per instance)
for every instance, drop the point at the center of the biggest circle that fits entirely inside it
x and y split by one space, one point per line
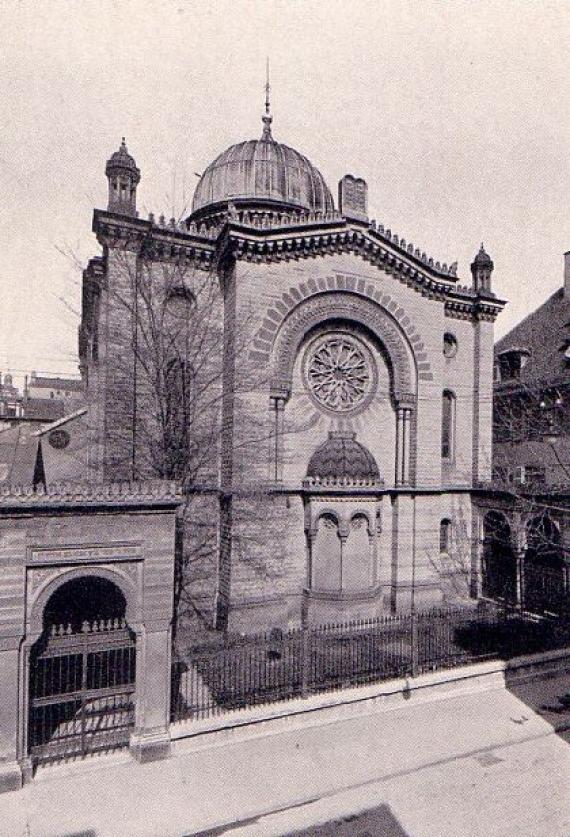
526 529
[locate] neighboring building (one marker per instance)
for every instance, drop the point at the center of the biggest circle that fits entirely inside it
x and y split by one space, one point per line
348 381
45 398
10 399
527 531
22 416
68 390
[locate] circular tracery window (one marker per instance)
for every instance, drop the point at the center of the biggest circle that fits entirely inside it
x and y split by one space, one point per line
339 372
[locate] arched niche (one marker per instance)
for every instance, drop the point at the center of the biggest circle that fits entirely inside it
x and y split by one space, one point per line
326 553
358 555
545 571
89 575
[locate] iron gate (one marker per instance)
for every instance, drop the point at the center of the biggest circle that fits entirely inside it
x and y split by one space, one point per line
499 576
81 690
546 589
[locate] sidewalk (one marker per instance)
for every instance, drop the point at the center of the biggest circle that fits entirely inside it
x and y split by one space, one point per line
473 765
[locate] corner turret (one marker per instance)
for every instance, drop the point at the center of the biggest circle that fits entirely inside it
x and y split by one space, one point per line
481 270
123 176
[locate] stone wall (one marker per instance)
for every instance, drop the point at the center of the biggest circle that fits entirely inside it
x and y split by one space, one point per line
119 533
263 426
263 532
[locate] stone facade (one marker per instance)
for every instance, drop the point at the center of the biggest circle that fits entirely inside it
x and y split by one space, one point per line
122 534
327 323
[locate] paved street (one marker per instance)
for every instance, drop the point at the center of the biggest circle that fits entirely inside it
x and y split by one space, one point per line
473 765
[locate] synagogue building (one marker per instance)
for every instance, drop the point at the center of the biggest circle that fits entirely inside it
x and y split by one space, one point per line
322 386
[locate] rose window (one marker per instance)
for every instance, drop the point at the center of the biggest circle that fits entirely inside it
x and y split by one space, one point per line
338 372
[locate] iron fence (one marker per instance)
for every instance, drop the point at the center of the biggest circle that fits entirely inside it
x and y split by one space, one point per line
238 672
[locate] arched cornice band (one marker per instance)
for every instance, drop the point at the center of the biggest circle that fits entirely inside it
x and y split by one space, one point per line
339 296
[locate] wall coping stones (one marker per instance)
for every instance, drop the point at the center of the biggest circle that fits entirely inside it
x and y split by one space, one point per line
149 492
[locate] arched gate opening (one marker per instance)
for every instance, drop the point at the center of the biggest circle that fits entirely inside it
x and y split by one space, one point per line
545 570
81 673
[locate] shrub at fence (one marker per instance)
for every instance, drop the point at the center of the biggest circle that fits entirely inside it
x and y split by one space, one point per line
236 672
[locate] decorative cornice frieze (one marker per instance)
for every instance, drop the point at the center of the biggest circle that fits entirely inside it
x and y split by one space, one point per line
93 494
262 223
155 241
305 243
474 308
259 238
327 483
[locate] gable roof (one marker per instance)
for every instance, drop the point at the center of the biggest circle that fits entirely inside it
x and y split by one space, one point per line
18 448
544 333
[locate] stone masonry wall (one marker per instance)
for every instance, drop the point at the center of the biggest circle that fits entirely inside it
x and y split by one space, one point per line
260 567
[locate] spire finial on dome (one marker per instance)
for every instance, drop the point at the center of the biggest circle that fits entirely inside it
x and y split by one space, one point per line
267 119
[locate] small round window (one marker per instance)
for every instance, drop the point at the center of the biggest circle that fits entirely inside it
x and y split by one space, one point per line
449 345
59 439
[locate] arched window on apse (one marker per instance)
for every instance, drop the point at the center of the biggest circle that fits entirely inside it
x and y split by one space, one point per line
179 305
448 425
356 558
326 572
546 577
499 579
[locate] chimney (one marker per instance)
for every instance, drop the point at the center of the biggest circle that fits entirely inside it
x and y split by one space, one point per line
353 198
567 274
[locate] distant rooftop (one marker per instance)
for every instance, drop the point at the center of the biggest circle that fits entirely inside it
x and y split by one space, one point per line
58 382
44 409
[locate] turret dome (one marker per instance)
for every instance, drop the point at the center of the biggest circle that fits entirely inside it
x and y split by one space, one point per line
121 161
482 258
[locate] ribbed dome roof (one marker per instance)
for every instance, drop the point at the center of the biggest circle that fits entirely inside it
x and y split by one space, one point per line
482 257
121 159
263 170
342 457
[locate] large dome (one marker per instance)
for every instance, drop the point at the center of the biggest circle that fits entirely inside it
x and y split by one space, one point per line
259 171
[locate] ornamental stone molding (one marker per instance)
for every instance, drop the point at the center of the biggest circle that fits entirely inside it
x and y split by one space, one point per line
279 344
86 554
93 494
350 297
157 242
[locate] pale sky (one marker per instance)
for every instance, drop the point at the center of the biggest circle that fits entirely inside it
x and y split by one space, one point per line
457 114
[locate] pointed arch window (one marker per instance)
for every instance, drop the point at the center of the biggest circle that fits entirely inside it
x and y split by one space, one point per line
177 417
